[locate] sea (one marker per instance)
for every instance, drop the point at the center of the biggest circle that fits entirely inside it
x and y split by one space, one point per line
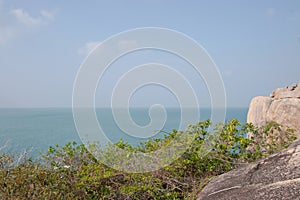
36 129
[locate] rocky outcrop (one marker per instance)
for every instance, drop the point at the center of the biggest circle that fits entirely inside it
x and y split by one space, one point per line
282 106
292 91
275 177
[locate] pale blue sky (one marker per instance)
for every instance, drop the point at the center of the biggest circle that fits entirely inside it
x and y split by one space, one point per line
255 44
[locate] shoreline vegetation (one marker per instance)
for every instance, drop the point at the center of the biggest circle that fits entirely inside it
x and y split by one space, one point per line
72 172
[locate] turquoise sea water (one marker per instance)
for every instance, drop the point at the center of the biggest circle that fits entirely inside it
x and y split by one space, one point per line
37 129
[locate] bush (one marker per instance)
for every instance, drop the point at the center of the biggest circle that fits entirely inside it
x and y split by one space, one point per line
71 172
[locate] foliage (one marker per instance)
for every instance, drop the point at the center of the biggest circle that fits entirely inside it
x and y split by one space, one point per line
71 172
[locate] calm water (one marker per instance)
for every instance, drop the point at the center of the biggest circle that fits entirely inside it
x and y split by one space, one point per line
37 129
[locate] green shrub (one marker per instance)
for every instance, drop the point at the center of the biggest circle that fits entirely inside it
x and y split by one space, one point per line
72 172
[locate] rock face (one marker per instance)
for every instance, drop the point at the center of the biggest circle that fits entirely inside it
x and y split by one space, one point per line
275 177
282 106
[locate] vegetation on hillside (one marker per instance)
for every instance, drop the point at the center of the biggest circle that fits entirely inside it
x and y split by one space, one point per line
71 172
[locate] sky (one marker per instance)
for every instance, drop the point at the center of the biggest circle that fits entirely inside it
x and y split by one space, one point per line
255 45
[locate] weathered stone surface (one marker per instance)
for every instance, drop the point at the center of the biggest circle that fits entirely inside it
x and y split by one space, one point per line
286 112
275 177
292 91
283 106
258 110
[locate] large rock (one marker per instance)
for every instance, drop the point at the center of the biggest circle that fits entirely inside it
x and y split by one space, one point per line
275 177
283 106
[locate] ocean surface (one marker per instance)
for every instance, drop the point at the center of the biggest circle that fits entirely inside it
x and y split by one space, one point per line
39 128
